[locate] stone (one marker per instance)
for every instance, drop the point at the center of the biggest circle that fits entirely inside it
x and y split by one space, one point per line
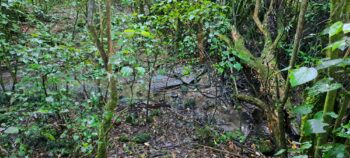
188 79
161 82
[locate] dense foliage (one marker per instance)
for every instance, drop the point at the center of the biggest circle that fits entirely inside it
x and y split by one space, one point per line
66 68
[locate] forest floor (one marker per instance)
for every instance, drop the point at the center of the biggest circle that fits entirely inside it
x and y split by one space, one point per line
185 120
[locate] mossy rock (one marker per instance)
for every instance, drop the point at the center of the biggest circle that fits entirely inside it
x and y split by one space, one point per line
141 138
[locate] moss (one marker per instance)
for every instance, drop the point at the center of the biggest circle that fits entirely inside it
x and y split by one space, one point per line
190 103
265 147
206 135
131 119
184 89
155 112
123 138
141 138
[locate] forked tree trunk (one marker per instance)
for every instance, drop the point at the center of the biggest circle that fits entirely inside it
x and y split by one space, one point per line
108 113
113 99
266 66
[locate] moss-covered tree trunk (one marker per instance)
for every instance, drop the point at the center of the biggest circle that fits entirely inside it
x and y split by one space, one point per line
108 113
272 82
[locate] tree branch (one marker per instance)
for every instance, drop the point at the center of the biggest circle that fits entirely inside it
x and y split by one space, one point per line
297 39
253 100
278 38
94 34
256 19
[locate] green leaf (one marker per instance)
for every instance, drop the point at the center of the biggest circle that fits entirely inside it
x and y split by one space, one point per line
344 131
280 152
346 28
314 126
328 63
146 34
332 114
335 28
126 71
76 137
300 156
337 151
12 130
237 66
186 70
35 35
341 45
303 109
302 75
116 59
49 99
44 111
49 136
140 71
325 31
305 145
323 86
318 115
129 33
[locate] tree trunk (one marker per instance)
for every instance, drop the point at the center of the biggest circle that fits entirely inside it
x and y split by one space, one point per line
108 113
266 66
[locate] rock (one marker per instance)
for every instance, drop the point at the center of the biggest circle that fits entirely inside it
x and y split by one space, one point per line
160 82
174 95
188 79
192 75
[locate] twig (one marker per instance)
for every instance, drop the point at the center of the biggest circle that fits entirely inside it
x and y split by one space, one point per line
178 114
221 150
3 150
